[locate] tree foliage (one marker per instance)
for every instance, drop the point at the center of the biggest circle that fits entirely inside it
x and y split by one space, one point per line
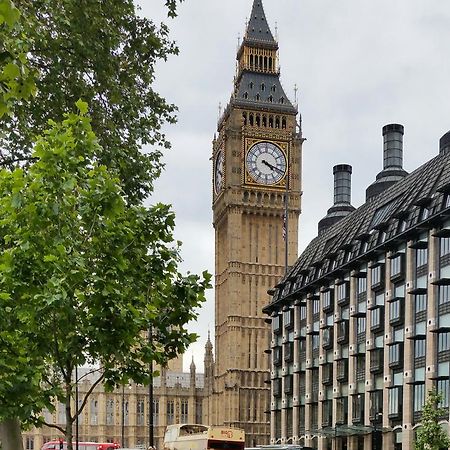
431 435
83 275
85 271
16 78
103 52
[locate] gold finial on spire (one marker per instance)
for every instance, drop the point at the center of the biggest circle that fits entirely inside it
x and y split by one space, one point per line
295 95
220 110
276 31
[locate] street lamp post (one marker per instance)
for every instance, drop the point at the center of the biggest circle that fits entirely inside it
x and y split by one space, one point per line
123 415
151 438
77 437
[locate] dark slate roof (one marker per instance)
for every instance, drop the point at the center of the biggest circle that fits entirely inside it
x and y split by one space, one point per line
426 187
258 29
262 89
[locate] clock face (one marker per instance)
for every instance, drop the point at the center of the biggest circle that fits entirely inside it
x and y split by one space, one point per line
218 172
266 163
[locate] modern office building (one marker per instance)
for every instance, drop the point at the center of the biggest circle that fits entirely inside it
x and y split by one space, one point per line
256 168
361 323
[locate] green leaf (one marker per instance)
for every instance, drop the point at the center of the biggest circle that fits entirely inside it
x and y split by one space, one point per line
11 71
82 107
50 258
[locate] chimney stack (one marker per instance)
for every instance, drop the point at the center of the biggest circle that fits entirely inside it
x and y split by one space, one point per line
342 197
392 161
342 184
444 143
393 146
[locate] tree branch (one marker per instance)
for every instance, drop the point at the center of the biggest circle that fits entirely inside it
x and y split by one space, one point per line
88 393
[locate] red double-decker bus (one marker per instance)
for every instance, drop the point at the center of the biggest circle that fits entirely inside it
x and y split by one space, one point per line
56 445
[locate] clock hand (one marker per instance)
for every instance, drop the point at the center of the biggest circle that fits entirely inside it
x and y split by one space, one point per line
270 166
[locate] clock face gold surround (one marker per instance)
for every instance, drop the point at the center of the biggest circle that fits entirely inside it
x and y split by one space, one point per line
218 172
265 162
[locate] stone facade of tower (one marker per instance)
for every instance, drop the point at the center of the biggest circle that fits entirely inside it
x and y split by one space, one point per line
256 160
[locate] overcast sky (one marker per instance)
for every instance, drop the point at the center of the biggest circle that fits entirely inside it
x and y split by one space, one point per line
358 64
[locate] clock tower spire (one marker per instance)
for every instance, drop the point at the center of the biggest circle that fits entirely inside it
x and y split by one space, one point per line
256 179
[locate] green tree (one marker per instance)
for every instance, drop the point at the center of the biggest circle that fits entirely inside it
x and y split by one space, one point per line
431 435
103 52
16 78
83 275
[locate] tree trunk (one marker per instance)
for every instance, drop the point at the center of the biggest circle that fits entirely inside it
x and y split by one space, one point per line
10 435
69 418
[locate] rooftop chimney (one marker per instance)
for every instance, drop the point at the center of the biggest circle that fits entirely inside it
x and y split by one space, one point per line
342 197
444 143
392 161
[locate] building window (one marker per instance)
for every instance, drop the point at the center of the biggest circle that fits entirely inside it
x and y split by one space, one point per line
443 388
29 443
361 325
443 342
358 408
377 276
421 303
362 285
140 412
424 213
444 246
419 397
327 300
315 342
170 412
396 311
395 401
288 318
94 412
184 411
155 412
376 318
401 225
288 351
327 413
316 306
343 293
276 387
110 412
396 266
276 324
342 332
421 257
277 356
444 294
376 404
420 348
396 355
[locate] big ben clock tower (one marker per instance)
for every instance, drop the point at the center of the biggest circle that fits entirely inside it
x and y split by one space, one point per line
256 162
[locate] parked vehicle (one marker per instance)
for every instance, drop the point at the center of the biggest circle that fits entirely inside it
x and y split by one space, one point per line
202 437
